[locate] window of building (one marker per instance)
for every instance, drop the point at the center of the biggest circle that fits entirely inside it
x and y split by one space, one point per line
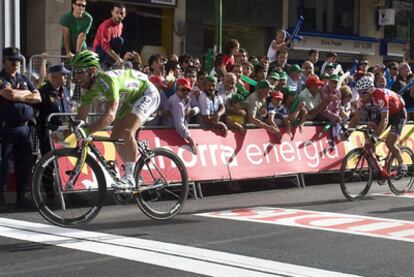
328 16
401 29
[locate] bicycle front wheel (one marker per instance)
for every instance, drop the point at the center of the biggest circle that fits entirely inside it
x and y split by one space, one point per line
63 204
355 175
164 184
404 184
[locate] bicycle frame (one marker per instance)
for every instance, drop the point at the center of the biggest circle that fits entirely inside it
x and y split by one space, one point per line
83 146
373 161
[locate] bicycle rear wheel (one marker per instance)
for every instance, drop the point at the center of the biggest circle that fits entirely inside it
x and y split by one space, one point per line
59 204
400 186
355 175
166 173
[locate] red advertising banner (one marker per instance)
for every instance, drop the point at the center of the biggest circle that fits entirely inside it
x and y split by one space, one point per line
255 154
251 155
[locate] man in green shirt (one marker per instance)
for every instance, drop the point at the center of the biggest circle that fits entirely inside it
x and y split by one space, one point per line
75 26
130 99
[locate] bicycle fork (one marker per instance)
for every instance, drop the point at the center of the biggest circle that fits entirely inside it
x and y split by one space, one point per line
74 174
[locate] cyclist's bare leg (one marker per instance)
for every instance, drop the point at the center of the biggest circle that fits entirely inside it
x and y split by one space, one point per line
391 143
116 134
126 129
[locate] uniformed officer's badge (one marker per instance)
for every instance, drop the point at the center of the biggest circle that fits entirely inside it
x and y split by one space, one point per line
14 50
52 99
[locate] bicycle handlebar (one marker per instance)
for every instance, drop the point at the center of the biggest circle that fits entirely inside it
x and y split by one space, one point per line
367 131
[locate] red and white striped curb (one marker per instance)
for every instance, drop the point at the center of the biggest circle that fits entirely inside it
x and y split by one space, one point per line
393 229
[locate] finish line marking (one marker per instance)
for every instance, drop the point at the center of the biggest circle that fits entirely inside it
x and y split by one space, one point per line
342 223
178 257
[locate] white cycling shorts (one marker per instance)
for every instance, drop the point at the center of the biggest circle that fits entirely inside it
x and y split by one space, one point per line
147 104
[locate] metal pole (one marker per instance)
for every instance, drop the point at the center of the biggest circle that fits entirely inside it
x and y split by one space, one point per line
11 23
412 32
1 29
218 25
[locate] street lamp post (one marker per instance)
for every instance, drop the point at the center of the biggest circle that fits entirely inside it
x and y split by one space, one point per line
218 25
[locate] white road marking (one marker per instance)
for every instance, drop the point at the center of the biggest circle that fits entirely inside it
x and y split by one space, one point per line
393 229
179 257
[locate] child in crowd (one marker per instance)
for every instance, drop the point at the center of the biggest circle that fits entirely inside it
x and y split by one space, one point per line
345 107
236 115
230 49
260 72
295 107
277 114
278 44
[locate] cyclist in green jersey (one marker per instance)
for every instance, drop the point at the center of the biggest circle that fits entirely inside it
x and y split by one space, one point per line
130 98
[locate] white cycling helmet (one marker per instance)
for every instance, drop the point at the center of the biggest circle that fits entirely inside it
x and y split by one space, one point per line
364 83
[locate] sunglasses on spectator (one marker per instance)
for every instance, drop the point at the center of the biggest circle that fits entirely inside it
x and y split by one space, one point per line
80 5
364 63
393 68
183 89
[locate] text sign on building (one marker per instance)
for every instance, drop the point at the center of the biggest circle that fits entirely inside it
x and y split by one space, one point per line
164 2
395 49
336 45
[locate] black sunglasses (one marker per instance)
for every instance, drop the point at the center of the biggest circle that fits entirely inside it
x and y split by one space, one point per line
80 5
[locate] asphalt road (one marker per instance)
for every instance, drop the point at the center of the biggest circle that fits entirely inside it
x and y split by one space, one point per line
257 238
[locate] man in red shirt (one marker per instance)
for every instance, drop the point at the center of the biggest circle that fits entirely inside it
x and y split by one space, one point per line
108 41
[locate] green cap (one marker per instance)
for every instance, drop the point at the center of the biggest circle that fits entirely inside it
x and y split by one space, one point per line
283 76
325 76
294 68
273 75
237 98
330 65
334 77
211 79
289 90
263 84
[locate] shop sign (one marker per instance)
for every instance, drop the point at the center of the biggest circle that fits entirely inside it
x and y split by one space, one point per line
395 49
164 2
336 45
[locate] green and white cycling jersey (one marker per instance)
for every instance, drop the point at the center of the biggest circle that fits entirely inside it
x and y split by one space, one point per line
126 86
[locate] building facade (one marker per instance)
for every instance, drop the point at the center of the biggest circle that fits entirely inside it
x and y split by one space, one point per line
349 28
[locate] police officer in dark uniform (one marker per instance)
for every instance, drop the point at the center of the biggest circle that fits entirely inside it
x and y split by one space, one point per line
55 99
17 95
